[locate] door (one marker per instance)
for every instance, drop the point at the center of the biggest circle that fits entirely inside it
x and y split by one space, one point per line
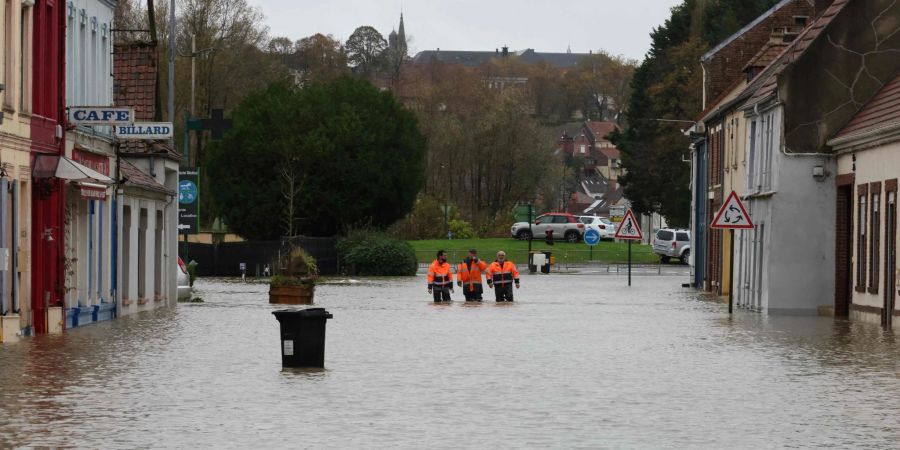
560 225
843 271
890 261
541 224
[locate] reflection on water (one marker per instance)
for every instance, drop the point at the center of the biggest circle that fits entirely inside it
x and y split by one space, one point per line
577 361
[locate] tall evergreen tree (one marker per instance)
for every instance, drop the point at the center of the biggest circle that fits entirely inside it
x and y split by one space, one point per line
316 160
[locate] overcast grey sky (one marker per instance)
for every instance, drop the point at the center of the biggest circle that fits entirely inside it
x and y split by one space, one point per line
619 27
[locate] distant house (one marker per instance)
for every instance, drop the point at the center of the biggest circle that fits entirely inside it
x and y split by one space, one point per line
479 58
596 190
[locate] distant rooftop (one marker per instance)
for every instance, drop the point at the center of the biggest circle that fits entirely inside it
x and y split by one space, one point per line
477 58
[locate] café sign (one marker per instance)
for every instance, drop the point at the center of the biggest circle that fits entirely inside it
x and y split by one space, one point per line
145 131
100 115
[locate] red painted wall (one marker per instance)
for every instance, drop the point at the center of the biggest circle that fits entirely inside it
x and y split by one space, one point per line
48 107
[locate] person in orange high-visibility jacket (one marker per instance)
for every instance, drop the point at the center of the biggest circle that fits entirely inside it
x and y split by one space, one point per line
440 278
502 274
468 276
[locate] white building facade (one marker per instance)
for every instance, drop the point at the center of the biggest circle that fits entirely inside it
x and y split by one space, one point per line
89 214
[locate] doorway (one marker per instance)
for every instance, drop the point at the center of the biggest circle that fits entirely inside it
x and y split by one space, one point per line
843 275
890 260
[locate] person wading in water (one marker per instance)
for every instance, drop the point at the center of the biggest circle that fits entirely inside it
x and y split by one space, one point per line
502 274
468 276
440 278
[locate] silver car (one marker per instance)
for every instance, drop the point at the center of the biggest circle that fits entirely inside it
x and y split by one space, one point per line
184 281
672 243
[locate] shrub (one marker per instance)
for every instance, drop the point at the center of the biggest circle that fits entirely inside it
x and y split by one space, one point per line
287 280
461 229
425 221
376 254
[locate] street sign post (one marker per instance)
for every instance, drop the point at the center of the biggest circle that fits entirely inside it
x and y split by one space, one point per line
591 238
732 216
630 230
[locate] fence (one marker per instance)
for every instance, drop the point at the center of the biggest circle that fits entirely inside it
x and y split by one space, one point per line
608 261
224 259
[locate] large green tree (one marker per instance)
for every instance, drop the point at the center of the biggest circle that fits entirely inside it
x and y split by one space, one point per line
316 160
667 86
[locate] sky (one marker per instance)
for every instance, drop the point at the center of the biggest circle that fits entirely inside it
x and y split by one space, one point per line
619 27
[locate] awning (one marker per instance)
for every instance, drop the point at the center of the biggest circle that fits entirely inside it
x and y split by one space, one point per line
72 171
92 184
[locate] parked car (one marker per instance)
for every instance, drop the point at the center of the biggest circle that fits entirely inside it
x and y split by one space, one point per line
564 225
604 226
672 243
183 281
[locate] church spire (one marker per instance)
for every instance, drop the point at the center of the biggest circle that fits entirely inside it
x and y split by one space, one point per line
401 38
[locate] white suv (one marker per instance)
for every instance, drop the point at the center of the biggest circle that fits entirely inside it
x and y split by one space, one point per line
672 243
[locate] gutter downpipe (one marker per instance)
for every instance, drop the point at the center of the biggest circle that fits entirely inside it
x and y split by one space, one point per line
4 188
703 89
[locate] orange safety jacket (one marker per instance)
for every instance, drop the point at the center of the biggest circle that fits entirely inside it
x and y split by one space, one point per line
440 275
469 273
503 274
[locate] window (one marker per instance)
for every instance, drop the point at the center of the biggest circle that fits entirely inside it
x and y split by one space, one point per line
70 56
682 237
8 62
560 219
24 52
861 239
751 149
874 235
583 148
664 235
768 145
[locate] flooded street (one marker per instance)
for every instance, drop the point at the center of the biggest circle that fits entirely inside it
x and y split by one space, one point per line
577 361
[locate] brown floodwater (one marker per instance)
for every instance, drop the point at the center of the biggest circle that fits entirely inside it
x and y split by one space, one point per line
578 361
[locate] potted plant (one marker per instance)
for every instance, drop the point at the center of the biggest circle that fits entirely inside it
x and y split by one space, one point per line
294 282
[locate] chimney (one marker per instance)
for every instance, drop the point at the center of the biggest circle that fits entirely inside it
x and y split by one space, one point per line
505 51
135 69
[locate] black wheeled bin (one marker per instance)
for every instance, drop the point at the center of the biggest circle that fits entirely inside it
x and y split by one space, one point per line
302 336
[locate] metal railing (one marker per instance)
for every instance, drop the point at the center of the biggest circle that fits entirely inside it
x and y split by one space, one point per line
564 260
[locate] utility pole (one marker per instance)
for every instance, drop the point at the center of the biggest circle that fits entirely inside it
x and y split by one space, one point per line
171 99
193 69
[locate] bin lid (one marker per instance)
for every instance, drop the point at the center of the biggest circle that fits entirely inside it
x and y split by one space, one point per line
304 313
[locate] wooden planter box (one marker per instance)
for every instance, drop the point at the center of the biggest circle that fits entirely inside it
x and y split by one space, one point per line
292 295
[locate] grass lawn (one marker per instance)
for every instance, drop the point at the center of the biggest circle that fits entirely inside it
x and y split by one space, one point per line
517 251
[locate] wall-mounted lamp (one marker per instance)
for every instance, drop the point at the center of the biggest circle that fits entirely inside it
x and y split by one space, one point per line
48 234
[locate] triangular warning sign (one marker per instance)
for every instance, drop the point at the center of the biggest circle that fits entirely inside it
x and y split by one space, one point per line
732 214
628 228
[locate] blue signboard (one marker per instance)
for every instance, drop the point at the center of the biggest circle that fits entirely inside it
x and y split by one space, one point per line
188 201
591 237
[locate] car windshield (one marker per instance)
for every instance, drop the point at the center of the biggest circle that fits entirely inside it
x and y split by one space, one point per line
664 235
587 220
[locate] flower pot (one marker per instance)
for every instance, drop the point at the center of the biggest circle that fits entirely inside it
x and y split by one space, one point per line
292 295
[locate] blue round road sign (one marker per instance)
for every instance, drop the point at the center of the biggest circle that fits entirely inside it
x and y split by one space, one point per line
592 237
